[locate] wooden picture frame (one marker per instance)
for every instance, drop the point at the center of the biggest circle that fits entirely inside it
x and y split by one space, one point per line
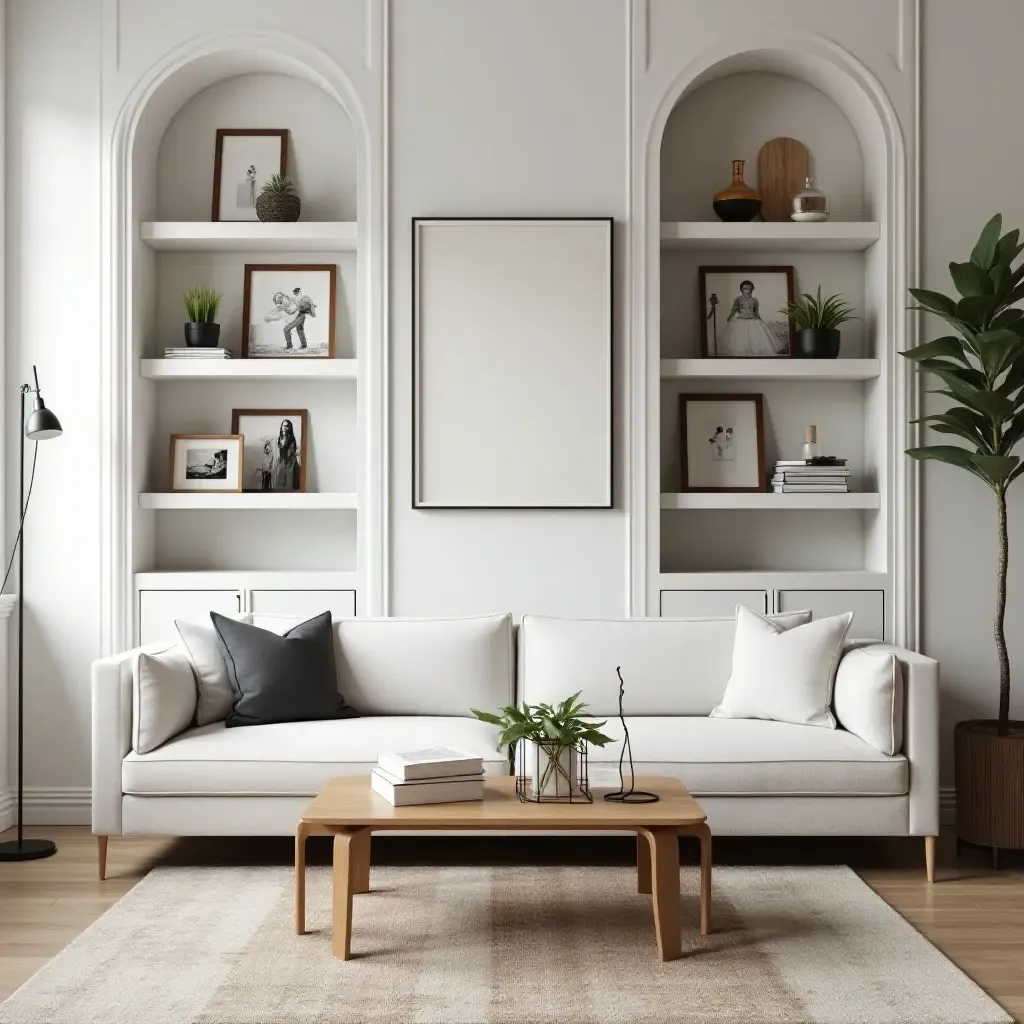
218 166
751 454
256 439
232 480
512 362
281 282
763 337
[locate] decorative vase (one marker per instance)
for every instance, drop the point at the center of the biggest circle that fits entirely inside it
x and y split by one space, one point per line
989 776
809 204
271 207
817 343
738 202
202 335
554 771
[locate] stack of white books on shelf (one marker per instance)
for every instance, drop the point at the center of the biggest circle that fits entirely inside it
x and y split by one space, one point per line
197 353
438 776
822 476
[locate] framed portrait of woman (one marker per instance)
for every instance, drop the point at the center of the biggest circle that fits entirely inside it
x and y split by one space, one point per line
741 314
243 161
273 448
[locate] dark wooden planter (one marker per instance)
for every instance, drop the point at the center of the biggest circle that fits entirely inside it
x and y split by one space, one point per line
989 784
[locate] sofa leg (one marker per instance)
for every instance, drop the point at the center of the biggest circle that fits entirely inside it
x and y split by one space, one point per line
101 846
929 857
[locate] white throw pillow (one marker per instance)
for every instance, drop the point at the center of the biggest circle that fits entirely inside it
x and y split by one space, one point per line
163 697
868 698
215 696
784 675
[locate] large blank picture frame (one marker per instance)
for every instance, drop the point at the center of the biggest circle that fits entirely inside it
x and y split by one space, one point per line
512 363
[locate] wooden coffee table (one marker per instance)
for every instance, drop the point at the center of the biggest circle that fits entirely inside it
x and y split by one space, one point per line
350 811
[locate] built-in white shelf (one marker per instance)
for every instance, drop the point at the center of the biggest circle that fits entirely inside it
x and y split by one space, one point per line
295 501
766 500
249 369
772 369
781 578
274 579
830 236
250 236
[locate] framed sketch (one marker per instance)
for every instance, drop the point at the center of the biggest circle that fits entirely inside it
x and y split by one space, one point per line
289 310
512 362
206 462
274 449
244 160
722 442
740 312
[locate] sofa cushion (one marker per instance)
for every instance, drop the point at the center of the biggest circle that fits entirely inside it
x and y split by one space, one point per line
294 758
163 697
426 666
215 696
670 666
749 757
868 696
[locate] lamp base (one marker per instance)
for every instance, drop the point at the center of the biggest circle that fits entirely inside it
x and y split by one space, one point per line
27 849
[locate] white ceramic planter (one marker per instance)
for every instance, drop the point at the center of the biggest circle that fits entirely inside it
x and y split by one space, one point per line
552 776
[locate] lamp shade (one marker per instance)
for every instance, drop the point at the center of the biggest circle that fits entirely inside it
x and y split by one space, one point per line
42 424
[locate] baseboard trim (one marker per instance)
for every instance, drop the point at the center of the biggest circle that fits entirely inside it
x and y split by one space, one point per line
947 806
48 805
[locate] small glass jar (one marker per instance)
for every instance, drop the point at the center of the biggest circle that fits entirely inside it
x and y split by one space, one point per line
811 450
809 204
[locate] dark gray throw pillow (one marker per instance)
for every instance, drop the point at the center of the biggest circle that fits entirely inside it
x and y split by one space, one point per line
289 678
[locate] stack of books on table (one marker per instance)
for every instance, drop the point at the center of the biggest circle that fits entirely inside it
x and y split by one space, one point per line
197 353
438 776
822 476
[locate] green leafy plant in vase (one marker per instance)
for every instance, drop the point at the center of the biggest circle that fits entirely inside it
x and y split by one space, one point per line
554 735
201 307
981 366
278 200
817 321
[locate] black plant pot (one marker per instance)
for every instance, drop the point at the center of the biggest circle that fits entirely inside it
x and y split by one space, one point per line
202 335
817 343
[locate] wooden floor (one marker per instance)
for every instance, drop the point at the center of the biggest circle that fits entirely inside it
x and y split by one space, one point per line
974 915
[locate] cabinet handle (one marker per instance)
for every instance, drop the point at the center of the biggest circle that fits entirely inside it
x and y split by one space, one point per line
238 598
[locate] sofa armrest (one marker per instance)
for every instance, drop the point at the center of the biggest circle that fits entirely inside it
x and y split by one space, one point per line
111 735
920 734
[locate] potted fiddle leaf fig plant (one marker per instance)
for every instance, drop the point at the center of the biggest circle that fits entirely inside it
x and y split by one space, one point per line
981 366
554 736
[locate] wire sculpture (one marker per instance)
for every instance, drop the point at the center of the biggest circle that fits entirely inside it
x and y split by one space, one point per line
631 795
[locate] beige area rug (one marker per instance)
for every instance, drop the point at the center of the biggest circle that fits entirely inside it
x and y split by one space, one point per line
493 945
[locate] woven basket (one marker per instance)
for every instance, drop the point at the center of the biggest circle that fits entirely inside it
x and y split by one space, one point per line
271 207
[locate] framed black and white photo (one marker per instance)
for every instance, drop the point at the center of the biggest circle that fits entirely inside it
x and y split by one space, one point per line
512 362
289 310
740 312
206 462
244 160
722 442
274 450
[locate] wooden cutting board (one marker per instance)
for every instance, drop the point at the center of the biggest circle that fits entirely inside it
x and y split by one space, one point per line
783 166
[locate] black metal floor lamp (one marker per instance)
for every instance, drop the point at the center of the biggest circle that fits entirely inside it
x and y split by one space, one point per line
41 425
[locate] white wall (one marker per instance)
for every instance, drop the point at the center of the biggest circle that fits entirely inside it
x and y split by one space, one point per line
52 319
496 107
971 168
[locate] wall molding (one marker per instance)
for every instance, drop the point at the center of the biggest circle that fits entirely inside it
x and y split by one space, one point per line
48 805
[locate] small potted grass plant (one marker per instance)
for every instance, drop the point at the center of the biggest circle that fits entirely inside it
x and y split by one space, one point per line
201 305
817 323
553 736
278 201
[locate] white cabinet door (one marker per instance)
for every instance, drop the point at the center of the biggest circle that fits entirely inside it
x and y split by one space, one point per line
305 603
159 608
868 607
710 604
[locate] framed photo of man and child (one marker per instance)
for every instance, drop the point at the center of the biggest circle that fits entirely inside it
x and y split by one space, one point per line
741 314
289 310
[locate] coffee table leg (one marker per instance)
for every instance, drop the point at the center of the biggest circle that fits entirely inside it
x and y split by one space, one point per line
359 851
301 835
643 864
664 847
704 834
345 868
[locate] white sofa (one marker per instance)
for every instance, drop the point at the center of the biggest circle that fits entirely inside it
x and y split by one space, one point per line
414 681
